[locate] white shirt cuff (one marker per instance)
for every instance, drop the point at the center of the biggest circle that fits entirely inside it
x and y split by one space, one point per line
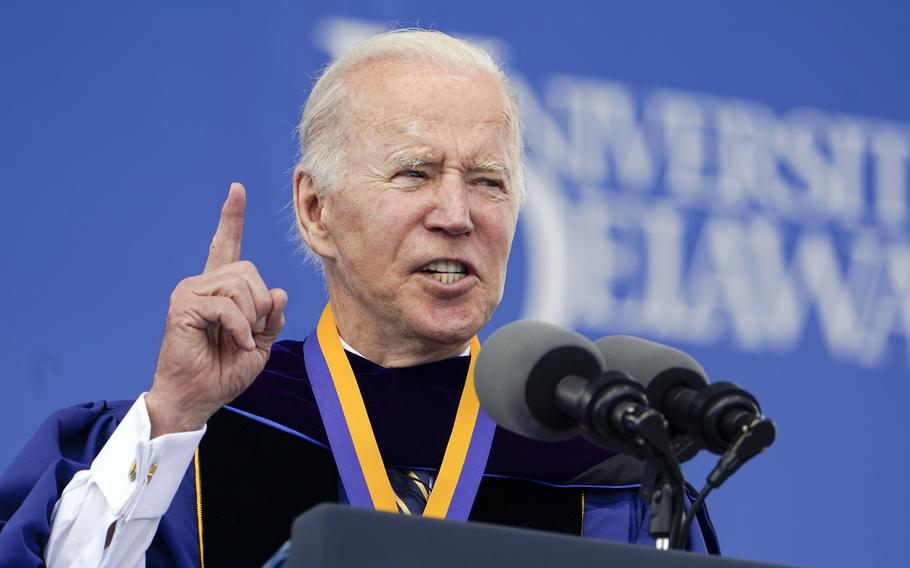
138 476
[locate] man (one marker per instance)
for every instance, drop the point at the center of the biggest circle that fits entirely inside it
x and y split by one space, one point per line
407 191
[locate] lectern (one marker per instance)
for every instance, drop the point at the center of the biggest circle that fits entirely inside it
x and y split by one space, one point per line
337 536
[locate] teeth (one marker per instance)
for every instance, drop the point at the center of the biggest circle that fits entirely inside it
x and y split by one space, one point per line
446 266
449 277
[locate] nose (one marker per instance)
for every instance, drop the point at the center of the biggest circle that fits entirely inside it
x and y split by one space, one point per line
451 210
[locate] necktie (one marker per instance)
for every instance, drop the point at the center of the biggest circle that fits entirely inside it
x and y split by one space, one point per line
412 489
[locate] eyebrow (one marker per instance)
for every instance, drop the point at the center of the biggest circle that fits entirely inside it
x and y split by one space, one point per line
417 160
494 166
414 160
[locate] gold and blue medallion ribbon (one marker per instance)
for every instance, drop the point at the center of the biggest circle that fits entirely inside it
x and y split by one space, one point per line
360 466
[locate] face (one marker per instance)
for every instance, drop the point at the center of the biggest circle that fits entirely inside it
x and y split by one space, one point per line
416 238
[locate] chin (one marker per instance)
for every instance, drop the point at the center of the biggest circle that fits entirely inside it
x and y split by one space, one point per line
448 327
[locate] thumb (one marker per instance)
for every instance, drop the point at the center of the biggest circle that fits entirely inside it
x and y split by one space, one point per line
274 323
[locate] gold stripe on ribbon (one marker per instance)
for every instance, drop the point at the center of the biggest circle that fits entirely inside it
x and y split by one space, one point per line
355 414
457 448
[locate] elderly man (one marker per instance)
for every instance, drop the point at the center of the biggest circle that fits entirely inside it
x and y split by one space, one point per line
407 191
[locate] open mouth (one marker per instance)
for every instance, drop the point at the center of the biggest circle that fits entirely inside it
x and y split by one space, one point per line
446 271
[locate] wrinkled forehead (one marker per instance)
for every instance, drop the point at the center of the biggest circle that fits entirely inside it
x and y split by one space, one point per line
395 98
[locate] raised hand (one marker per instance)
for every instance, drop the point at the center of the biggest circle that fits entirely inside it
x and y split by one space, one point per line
219 331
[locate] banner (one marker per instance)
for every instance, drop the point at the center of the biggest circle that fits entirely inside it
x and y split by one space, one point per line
729 179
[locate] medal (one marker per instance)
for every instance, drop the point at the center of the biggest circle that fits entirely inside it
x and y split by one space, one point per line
354 446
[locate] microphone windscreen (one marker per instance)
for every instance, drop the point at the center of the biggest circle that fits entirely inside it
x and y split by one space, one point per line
518 369
645 361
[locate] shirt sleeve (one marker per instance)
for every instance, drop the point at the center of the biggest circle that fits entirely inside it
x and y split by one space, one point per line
127 489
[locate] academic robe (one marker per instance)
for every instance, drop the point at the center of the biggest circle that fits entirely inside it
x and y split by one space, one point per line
265 458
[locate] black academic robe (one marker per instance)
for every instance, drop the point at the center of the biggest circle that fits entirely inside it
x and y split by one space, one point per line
265 458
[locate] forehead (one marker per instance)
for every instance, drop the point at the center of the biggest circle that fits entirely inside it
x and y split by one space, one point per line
403 100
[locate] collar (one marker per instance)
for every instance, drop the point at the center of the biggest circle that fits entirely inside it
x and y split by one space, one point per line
349 349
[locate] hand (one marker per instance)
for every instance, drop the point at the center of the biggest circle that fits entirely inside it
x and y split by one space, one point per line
219 332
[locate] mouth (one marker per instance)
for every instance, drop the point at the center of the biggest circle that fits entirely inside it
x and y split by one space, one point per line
446 271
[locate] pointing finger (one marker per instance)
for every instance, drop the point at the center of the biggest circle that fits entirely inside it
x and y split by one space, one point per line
225 247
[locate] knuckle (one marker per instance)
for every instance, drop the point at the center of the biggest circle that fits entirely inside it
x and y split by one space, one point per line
232 286
177 312
234 283
173 316
179 289
229 313
264 304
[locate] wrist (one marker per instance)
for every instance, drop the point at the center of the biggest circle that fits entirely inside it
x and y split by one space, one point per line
168 417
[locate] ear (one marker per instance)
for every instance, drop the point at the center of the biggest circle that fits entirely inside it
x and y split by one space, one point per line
309 207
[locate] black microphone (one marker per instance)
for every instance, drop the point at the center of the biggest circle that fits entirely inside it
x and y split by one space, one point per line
548 383
713 416
545 382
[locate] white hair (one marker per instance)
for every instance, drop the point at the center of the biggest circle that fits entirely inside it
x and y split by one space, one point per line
322 125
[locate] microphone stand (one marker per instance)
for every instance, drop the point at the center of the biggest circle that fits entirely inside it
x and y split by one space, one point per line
613 411
755 436
663 483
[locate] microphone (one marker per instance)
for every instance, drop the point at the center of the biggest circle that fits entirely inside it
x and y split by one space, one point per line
715 416
721 417
548 383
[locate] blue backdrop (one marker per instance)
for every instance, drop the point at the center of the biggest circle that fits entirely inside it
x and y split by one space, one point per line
730 178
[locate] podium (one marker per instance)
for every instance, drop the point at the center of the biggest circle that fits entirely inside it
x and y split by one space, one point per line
337 536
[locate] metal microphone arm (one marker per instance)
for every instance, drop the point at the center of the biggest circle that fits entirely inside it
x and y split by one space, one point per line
612 410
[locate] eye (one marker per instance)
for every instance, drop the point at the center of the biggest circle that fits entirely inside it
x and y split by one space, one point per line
490 182
410 177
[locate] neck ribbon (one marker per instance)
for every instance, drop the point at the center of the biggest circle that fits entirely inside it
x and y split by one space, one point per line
360 466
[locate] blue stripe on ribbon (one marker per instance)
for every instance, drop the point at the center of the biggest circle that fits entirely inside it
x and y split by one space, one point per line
472 470
336 427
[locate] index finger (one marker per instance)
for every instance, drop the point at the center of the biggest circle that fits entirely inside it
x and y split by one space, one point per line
225 247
